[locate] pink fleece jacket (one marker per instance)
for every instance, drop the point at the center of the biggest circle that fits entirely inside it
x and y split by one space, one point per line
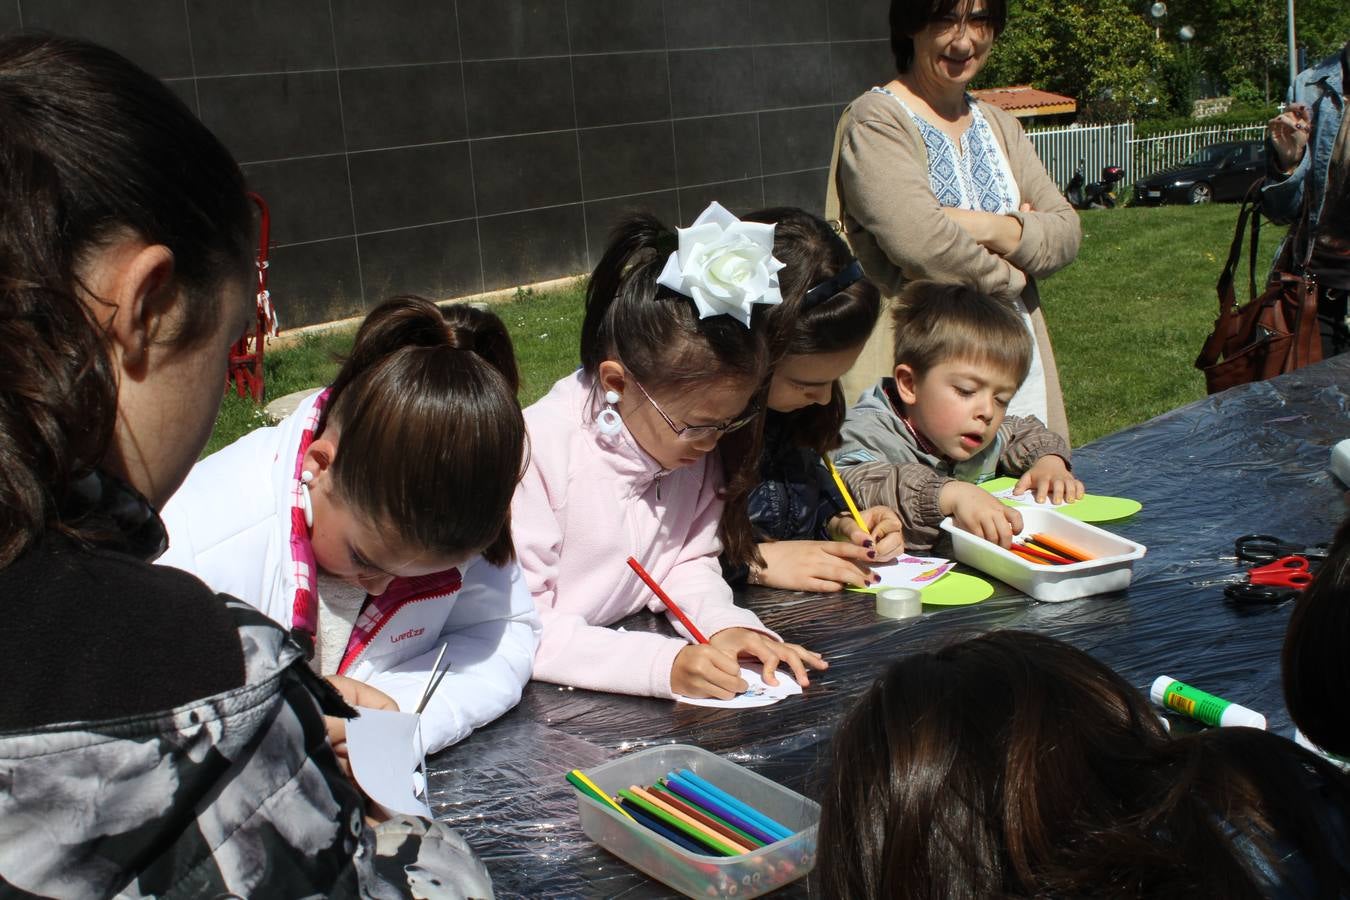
589 501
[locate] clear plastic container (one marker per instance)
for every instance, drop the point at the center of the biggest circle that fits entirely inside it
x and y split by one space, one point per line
749 875
1110 570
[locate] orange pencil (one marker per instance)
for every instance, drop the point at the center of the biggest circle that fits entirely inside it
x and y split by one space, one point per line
738 845
1027 556
1060 546
670 604
1041 553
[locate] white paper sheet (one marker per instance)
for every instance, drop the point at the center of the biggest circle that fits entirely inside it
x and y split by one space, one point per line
385 749
759 693
916 572
1027 498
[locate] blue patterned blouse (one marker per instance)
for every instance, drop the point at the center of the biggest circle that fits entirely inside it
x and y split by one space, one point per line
975 175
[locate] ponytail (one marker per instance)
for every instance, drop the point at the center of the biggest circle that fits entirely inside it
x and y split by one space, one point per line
91 147
660 339
432 437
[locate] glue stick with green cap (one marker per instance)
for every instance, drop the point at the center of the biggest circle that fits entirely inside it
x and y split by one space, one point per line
1171 694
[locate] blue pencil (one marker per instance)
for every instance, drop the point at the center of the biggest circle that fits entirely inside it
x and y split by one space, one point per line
738 805
669 834
707 802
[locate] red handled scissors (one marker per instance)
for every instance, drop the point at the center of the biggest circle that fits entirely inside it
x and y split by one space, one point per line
1289 572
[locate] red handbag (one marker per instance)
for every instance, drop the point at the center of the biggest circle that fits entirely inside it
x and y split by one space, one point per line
1270 334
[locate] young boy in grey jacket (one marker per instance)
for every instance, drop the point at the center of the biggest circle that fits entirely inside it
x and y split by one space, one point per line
923 440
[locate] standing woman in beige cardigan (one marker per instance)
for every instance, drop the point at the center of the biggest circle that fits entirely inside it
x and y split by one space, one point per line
928 182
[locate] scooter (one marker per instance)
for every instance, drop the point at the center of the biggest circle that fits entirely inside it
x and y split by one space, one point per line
1096 195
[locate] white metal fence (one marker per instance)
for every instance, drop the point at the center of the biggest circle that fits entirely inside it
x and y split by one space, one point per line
1099 146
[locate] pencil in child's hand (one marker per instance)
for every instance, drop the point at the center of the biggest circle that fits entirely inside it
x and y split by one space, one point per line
670 604
848 498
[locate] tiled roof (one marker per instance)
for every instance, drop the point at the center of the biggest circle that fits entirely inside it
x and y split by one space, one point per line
1024 100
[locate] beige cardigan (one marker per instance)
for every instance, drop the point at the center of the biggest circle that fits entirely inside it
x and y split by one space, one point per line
879 191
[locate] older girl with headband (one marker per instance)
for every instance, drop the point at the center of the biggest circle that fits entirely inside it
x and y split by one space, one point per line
374 521
156 738
1014 765
807 537
635 456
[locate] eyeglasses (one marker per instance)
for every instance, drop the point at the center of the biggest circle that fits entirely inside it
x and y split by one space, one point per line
694 433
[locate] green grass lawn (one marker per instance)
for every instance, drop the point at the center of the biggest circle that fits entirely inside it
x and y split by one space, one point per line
1127 319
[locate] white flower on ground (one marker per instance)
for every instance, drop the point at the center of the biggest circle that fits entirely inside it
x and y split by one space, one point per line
724 265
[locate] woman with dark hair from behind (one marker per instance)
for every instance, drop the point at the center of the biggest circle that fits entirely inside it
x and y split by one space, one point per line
806 535
1016 765
156 738
1316 664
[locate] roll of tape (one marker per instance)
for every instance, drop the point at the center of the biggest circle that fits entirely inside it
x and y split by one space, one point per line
899 603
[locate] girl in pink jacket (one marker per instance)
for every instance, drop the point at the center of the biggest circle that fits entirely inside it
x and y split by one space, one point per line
628 459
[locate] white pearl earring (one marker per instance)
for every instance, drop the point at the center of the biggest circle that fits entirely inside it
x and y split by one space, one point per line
609 421
305 504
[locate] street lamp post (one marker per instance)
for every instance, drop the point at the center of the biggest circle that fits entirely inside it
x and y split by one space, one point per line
1293 53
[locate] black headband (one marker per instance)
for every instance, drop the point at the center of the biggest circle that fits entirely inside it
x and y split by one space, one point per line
851 273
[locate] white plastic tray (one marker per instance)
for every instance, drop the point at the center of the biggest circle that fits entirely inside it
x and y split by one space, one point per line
1110 570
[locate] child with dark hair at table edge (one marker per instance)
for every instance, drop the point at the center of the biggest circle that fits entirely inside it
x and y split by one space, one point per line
924 439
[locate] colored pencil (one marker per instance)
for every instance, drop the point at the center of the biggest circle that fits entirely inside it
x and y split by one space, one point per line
670 604
843 491
1026 556
1061 546
671 822
736 803
586 786
704 801
634 812
660 803
1047 555
705 817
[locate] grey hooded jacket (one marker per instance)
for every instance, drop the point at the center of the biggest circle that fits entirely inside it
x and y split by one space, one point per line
883 465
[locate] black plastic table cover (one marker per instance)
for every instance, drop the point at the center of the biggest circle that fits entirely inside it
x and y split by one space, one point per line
1251 459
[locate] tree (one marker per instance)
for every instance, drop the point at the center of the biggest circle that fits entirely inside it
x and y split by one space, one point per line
1100 52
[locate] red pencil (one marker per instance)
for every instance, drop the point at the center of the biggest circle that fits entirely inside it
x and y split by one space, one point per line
1053 558
670 604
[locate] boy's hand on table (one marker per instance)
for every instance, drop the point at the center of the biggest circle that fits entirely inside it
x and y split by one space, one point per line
979 512
1051 480
748 642
884 535
820 566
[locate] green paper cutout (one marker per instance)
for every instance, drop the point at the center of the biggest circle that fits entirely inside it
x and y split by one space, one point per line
1092 508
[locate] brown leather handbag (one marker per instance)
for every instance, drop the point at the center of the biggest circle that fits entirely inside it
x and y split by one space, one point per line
1270 334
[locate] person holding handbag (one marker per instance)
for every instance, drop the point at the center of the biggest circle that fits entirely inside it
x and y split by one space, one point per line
1309 174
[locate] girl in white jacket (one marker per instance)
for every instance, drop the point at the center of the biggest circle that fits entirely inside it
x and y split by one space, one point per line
378 555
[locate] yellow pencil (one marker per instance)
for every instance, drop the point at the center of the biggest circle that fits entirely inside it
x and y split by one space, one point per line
601 794
848 498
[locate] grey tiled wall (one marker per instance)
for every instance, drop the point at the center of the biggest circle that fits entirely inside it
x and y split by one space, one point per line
447 147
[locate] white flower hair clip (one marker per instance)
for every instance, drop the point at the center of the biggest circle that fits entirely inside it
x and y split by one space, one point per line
724 265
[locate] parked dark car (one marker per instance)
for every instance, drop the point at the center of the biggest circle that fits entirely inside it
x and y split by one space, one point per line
1218 172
